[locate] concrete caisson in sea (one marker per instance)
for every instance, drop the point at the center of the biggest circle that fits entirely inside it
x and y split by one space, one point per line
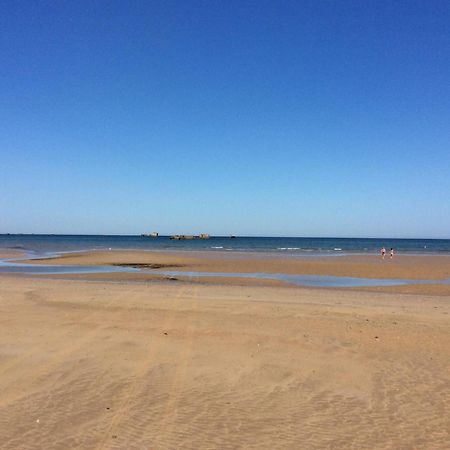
184 237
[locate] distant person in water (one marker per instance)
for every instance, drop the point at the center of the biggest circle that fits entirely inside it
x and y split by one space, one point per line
391 253
383 252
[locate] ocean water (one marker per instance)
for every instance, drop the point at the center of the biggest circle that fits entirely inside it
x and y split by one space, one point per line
303 246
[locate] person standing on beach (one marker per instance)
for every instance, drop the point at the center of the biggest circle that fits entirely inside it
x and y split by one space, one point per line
383 252
391 253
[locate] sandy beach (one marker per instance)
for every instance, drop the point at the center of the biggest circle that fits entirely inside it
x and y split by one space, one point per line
91 364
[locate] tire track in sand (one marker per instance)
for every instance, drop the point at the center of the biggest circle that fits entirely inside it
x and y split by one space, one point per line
140 372
170 412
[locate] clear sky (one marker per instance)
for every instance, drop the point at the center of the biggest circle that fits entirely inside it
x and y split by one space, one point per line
276 118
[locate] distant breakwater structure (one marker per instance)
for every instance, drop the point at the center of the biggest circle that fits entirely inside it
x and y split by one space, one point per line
178 237
182 237
186 237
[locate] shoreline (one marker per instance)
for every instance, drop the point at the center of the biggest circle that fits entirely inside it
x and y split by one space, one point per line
275 252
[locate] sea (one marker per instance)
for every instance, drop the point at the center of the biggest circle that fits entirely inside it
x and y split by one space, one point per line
41 244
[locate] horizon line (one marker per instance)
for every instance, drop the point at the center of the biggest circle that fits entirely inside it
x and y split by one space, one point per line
226 236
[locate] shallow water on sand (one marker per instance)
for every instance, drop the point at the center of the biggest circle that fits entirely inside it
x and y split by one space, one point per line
10 266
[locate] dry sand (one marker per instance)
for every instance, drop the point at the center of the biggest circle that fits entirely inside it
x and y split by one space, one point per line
98 365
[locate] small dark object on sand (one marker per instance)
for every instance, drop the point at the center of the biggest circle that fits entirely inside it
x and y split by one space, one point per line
147 265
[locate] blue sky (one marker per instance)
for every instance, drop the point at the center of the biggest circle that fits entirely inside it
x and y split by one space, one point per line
302 118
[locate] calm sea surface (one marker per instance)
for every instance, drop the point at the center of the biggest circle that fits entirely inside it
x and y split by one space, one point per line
42 244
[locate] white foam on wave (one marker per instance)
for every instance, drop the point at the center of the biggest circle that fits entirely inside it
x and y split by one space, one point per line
216 247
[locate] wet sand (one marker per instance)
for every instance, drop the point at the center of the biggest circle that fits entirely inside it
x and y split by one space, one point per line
431 268
11 254
162 365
